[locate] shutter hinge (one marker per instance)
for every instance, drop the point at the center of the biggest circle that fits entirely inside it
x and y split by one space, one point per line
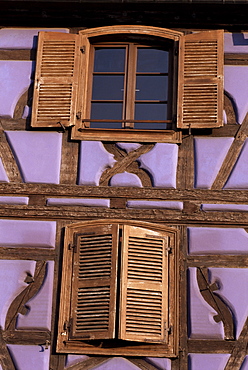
169 329
168 249
78 115
82 49
72 247
67 327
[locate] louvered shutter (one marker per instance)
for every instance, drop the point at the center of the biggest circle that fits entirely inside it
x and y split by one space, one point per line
144 285
56 80
93 306
200 85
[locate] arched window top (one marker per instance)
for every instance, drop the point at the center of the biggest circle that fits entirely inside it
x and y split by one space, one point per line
128 29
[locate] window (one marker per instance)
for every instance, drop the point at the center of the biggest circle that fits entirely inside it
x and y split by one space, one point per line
129 83
119 289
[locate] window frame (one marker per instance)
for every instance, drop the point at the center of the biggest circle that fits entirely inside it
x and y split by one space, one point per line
88 38
67 344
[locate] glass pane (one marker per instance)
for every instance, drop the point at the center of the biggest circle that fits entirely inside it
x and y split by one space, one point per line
109 60
152 60
106 111
108 87
150 112
151 88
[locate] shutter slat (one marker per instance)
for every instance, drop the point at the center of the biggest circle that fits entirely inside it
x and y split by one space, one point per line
56 80
200 87
94 284
144 287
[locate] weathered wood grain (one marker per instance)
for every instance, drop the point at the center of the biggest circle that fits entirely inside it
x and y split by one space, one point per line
69 160
198 195
232 156
27 337
210 346
26 253
8 159
239 350
185 167
5 358
219 260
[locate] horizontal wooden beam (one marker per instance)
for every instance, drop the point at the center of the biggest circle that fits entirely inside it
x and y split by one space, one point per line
78 191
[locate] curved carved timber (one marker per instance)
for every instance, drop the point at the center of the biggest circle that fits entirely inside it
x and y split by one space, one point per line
126 162
224 313
18 304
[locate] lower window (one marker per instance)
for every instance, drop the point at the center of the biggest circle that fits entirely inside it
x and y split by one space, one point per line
119 289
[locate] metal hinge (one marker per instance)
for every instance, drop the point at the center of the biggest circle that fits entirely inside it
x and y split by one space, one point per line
78 115
67 326
82 49
169 329
72 247
169 249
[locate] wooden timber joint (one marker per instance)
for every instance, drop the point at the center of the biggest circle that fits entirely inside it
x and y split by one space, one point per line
118 203
190 207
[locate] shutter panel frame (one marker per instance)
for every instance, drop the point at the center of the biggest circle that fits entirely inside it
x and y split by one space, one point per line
200 80
56 80
152 328
94 283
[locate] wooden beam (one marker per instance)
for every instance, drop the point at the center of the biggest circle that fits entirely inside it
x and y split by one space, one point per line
239 350
219 260
8 159
69 160
210 346
232 156
185 168
5 358
89 364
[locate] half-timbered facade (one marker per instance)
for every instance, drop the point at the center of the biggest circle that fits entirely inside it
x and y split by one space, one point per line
123 185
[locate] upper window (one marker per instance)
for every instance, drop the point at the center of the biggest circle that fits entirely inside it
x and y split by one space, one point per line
129 83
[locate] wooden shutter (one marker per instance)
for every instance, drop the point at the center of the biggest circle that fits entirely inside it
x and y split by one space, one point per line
93 307
56 80
144 285
200 93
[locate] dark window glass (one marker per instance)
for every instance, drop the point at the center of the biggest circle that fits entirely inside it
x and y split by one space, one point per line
108 87
152 60
152 88
108 111
109 59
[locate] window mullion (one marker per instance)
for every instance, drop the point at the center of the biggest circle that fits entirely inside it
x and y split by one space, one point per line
130 86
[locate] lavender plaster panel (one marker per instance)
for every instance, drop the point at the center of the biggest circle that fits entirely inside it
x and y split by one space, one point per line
22 38
117 363
161 363
146 204
233 284
38 155
128 147
225 207
15 78
75 359
210 240
236 84
209 156
40 306
29 357
94 160
201 323
125 179
161 163
3 175
12 276
78 202
236 42
239 176
27 233
207 361
14 200
244 365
